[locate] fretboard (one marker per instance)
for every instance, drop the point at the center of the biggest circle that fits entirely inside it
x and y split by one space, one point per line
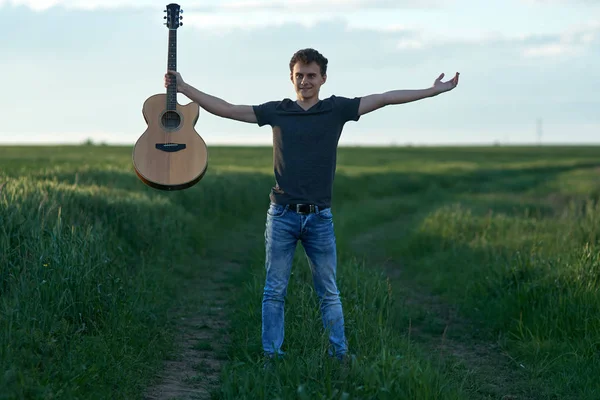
172 65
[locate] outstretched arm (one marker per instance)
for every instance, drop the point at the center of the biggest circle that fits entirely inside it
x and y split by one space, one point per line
212 104
376 101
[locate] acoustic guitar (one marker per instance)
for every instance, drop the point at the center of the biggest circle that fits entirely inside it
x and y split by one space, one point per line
170 154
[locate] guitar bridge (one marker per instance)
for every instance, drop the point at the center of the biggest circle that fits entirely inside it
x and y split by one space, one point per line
170 147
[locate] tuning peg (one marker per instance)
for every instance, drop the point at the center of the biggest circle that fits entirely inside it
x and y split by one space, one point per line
164 17
181 23
181 11
180 17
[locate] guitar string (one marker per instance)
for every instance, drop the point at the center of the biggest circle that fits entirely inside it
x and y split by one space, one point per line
171 113
169 90
168 112
172 92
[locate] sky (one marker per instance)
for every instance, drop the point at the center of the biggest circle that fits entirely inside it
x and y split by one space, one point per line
529 69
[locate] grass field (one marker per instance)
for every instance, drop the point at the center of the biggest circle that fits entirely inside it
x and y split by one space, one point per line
465 273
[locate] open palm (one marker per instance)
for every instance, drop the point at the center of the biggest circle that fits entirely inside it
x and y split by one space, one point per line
446 86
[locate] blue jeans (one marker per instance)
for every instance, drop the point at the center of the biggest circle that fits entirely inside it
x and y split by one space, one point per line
284 228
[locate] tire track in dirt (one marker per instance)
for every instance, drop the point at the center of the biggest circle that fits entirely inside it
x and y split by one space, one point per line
202 339
195 369
489 371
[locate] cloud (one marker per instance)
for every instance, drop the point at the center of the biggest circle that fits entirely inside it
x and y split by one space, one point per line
544 2
102 65
374 47
297 6
36 5
569 43
323 5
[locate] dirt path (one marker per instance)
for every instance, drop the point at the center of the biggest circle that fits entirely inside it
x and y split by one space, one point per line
202 337
202 331
491 373
488 371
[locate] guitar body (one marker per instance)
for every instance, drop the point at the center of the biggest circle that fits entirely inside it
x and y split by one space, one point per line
170 154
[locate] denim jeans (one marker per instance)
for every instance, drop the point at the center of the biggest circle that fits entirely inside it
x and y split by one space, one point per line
284 228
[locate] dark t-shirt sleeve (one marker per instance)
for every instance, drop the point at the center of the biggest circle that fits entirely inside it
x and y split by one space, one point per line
264 112
348 108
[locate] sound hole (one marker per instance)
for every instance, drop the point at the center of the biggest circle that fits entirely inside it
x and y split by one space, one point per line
170 120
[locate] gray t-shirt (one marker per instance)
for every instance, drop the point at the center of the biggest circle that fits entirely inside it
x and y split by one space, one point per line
305 146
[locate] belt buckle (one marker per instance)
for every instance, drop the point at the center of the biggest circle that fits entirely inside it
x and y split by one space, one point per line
311 209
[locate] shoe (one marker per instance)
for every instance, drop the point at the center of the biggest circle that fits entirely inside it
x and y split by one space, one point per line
270 359
346 359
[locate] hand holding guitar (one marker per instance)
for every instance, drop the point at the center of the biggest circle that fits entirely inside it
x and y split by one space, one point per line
178 79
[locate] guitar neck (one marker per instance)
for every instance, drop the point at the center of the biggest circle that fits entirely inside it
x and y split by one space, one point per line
172 65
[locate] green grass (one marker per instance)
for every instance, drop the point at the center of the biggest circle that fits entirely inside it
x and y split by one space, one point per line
93 265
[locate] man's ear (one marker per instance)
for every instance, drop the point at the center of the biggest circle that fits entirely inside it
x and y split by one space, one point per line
324 78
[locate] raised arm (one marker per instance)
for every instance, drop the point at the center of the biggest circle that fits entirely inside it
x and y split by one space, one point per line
212 104
376 101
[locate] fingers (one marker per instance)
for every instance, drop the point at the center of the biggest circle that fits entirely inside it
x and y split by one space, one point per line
448 85
168 76
454 81
439 78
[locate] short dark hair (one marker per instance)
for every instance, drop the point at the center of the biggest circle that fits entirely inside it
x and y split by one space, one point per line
307 56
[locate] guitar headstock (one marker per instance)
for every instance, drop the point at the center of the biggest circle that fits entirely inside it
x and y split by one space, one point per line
173 18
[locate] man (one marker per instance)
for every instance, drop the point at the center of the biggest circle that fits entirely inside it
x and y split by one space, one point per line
305 138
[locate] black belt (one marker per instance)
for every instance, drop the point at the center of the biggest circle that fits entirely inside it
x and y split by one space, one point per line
303 208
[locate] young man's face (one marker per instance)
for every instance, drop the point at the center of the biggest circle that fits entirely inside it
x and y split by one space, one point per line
307 80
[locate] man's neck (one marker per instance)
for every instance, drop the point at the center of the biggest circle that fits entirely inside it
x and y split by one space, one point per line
307 103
